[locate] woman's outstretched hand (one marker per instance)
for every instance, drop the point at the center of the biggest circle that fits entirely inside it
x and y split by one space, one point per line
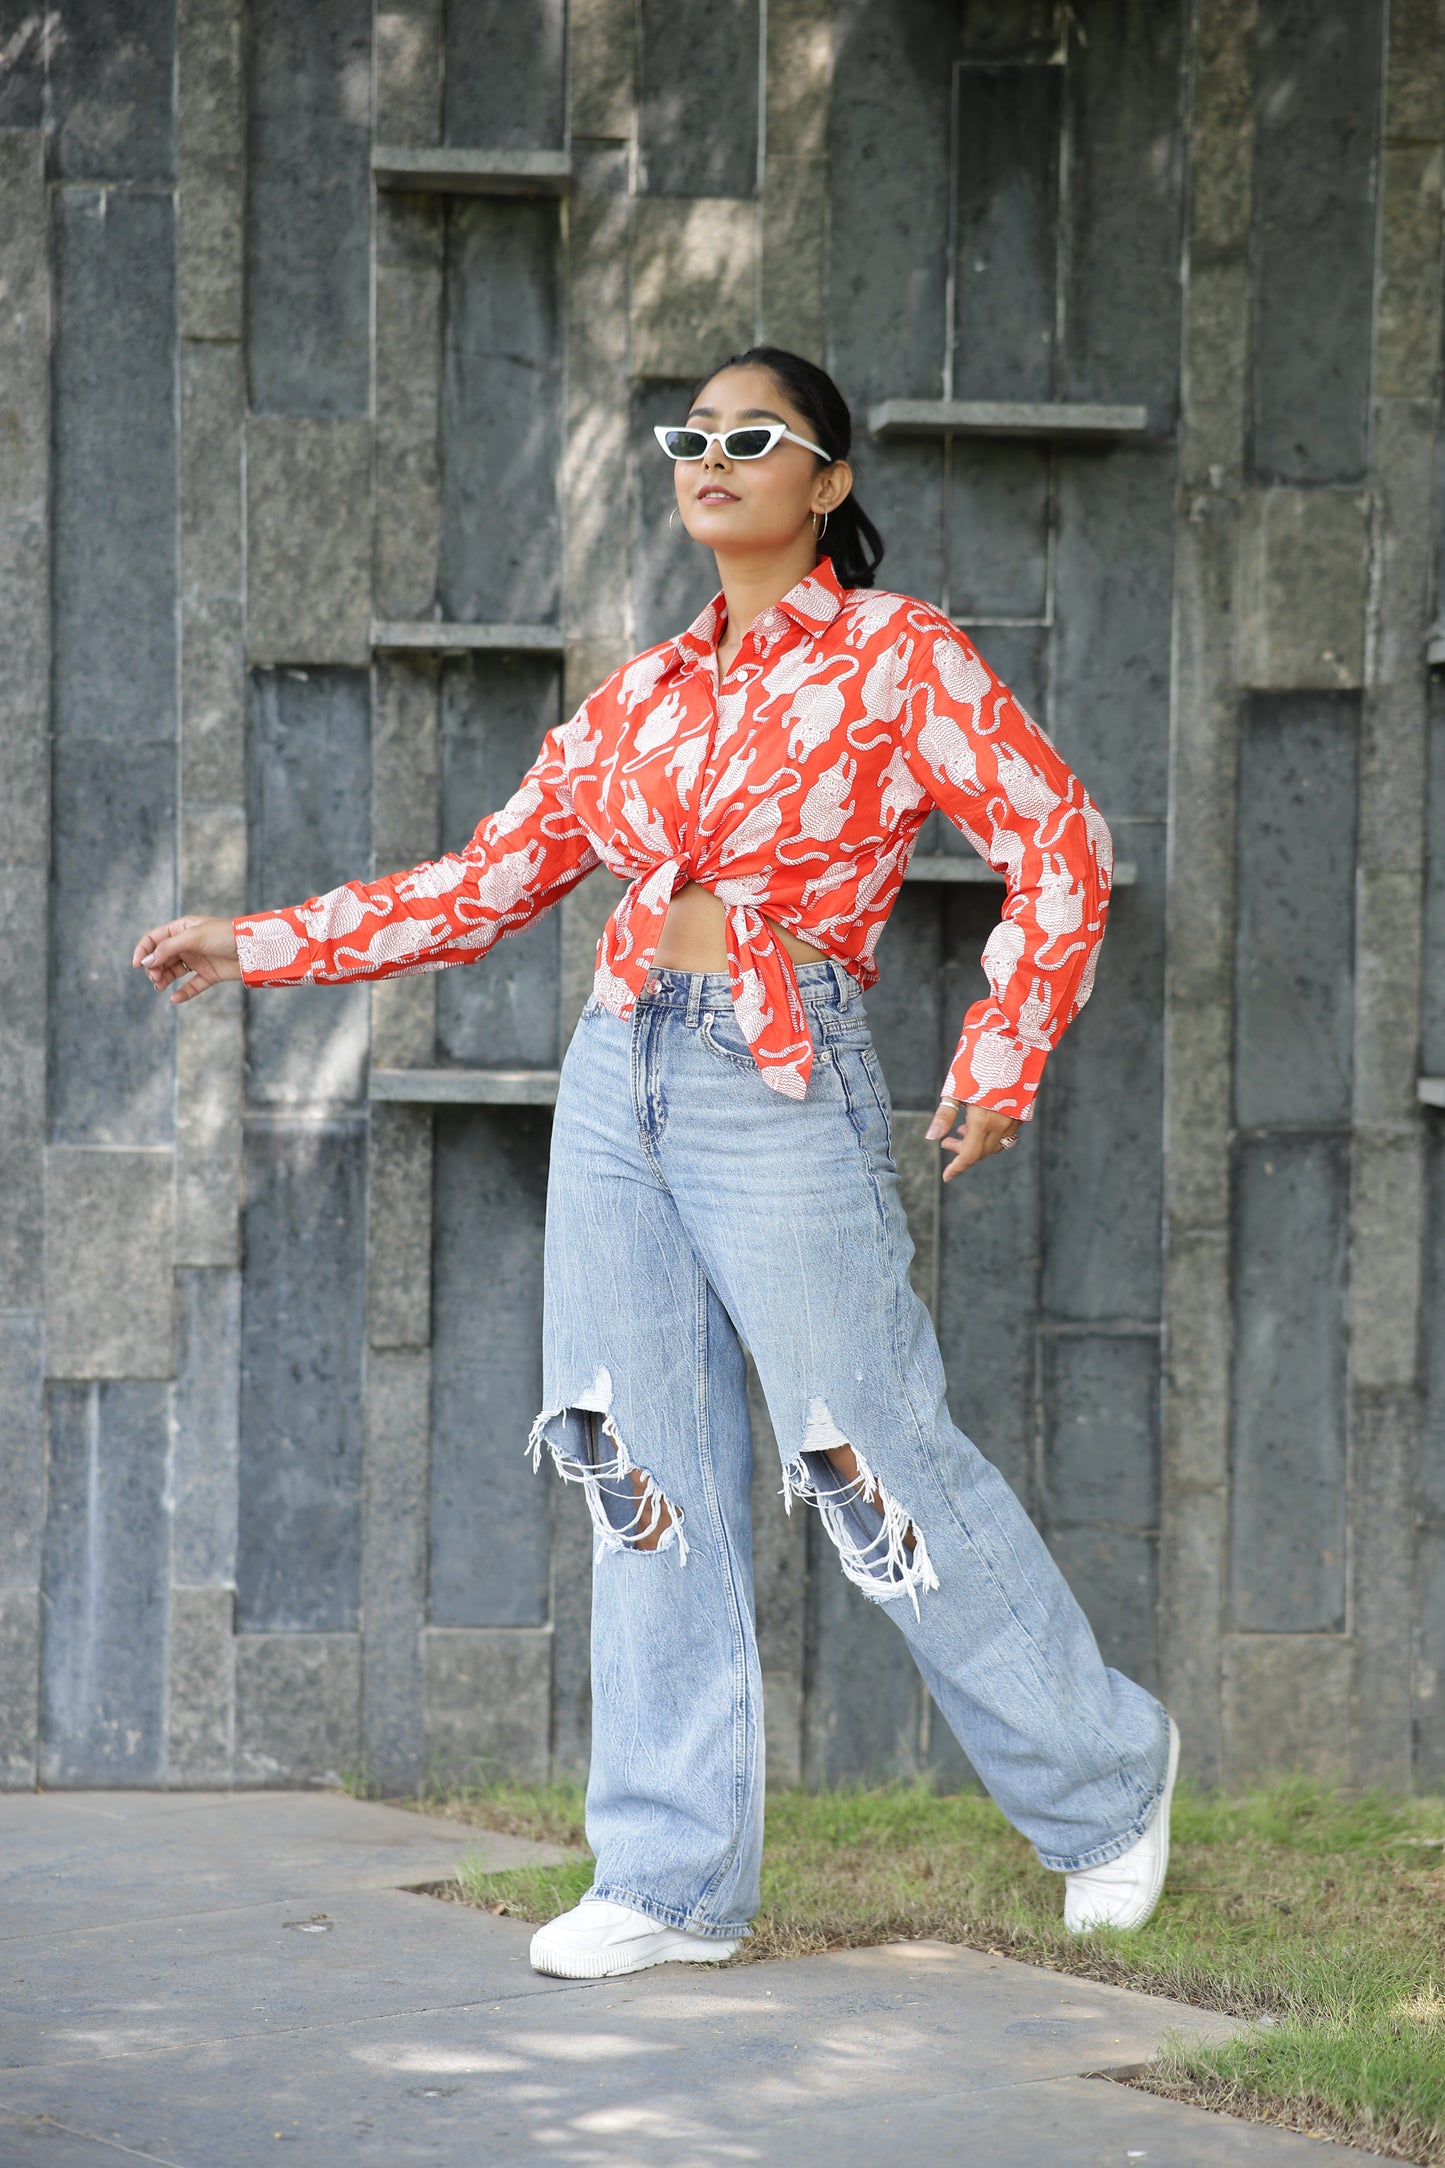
984 1133
200 952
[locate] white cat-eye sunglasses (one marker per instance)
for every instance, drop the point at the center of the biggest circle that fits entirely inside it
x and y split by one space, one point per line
747 443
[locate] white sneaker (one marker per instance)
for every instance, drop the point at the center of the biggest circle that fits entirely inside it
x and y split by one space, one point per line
1125 1891
597 1938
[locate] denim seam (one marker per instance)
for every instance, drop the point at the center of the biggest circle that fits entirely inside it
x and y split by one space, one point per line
1101 1854
729 1857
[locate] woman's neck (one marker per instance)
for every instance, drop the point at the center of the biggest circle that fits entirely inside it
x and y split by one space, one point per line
751 585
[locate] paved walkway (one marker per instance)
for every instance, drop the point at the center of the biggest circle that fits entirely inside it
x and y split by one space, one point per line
213 1981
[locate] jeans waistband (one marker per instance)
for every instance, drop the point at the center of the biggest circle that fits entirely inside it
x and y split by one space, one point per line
824 985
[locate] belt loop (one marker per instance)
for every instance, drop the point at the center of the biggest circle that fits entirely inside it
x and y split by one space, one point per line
844 983
694 997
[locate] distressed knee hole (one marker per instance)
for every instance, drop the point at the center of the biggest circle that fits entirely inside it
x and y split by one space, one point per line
627 1506
879 1548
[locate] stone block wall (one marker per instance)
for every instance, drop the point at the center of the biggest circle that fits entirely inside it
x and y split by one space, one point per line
269 1326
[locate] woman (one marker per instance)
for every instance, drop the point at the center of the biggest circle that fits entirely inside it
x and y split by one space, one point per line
722 1176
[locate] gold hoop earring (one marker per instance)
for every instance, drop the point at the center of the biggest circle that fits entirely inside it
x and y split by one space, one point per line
819 532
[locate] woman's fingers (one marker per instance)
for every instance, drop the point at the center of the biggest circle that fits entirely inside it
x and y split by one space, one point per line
198 951
984 1133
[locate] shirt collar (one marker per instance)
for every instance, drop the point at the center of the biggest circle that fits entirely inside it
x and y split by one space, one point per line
813 603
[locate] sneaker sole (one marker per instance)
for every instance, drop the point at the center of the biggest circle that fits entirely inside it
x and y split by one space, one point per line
604 1964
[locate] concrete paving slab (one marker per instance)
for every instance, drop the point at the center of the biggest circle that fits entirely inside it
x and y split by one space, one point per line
398 2029
95 1859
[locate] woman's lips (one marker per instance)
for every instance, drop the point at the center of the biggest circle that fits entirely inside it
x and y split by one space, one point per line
715 495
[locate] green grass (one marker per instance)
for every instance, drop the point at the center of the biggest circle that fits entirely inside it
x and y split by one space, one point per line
1321 1913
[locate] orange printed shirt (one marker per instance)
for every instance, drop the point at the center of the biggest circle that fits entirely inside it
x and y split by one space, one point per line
794 789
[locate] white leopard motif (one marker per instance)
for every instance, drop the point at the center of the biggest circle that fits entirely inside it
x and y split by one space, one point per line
823 813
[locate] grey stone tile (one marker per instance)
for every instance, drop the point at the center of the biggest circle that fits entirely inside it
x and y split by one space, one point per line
1287 1511
404 1023
109 76
1384 1440
1286 1706
998 531
213 700
503 74
201 1701
988 1303
1101 1429
1294 981
298 1707
1101 1118
1386 1212
109 1245
206 1440
793 275
694 271
1432 989
1415 73
1431 1467
107 1543
1006 262
851 1730
213 407
501 416
115 455
308 510
1113 586
22 86
408 73
486 1702
920 1188
22 1447
602 67
1316 108
595 455
672 577
887 307
302 1346
112 1038
1114 1574
688 144
408 392
398 1226
1010 30
1407 330
1191 1588
913 1021
489 1512
571 1619
208 1129
309 762
1430 1670
1199 1322
1123 208
308 208
1303 565
780 1557
24 975
24 490
500 1012
393 1566
210 153
213 859
19 1687
405 773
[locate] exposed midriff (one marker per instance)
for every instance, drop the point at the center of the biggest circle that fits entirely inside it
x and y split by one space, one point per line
693 936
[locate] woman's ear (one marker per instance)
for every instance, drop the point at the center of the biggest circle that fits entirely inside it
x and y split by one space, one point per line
837 483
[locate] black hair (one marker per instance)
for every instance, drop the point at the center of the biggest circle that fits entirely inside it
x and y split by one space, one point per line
850 537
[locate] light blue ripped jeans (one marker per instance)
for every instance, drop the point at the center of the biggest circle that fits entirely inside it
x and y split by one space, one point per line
692 1211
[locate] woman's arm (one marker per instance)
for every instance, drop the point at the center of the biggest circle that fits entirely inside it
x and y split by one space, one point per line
450 910
1001 781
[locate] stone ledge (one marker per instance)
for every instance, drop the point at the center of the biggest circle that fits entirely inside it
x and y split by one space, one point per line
1071 420
433 636
417 170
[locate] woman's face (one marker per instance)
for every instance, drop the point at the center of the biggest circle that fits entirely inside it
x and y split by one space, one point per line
754 504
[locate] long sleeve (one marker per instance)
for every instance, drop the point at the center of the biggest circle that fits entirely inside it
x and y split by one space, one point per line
998 778
449 910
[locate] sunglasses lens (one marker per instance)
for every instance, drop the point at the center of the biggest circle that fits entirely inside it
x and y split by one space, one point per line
685 443
746 443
